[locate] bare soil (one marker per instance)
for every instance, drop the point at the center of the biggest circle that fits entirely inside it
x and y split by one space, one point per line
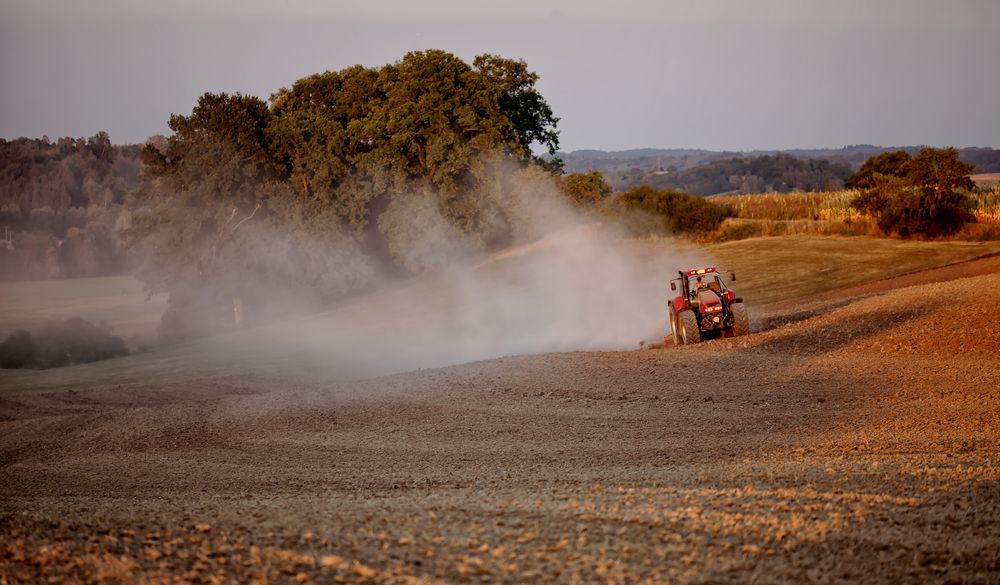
853 438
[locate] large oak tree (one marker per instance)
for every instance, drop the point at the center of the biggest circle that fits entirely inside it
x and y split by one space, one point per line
329 173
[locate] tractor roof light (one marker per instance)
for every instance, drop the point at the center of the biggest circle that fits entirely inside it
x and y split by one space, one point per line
708 270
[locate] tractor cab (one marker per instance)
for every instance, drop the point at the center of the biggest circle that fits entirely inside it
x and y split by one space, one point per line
710 282
705 289
693 282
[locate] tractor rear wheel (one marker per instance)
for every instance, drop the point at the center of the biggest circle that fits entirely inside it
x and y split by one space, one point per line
741 320
675 327
689 327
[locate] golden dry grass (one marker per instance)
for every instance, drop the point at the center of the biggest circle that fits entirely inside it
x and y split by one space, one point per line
783 268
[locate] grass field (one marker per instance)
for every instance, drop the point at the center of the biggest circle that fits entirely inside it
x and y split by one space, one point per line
777 269
119 301
987 179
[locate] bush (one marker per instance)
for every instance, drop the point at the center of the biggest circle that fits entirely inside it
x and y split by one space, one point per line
878 198
18 350
739 231
586 189
74 341
672 211
978 232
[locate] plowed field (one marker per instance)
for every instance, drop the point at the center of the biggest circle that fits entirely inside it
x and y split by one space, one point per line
854 438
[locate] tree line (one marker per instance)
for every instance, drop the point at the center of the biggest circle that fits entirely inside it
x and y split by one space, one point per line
61 206
780 173
626 169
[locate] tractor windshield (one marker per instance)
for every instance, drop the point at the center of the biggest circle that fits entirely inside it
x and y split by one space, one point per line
710 281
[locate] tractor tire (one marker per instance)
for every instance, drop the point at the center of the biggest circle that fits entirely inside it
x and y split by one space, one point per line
675 327
689 327
741 320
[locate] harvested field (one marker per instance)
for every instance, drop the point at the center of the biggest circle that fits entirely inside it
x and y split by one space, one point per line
986 179
854 438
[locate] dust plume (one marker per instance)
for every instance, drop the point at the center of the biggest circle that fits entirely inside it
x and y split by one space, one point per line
582 286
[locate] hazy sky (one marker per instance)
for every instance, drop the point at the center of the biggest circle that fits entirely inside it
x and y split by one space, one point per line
738 74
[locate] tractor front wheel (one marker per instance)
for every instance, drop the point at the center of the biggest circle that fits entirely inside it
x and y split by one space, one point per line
741 320
689 327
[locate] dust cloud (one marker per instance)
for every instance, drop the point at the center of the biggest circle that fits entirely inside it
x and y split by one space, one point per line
584 286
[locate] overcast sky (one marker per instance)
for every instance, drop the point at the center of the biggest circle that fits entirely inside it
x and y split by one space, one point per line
736 75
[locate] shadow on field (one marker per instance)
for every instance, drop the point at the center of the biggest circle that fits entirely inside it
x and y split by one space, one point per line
780 318
839 325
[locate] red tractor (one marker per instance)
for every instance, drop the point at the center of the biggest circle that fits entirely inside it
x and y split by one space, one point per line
705 307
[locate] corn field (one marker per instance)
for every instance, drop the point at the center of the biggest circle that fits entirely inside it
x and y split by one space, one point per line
777 214
835 206
774 206
986 206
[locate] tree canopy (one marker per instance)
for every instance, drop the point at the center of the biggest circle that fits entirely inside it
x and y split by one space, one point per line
889 164
364 161
925 194
670 211
586 189
530 115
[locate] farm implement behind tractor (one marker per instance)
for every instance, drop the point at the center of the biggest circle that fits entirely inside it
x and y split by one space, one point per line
705 307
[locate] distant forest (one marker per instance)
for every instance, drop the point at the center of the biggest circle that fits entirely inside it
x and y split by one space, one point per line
62 206
706 172
782 173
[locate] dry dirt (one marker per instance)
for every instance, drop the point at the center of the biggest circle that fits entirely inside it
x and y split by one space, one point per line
851 439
